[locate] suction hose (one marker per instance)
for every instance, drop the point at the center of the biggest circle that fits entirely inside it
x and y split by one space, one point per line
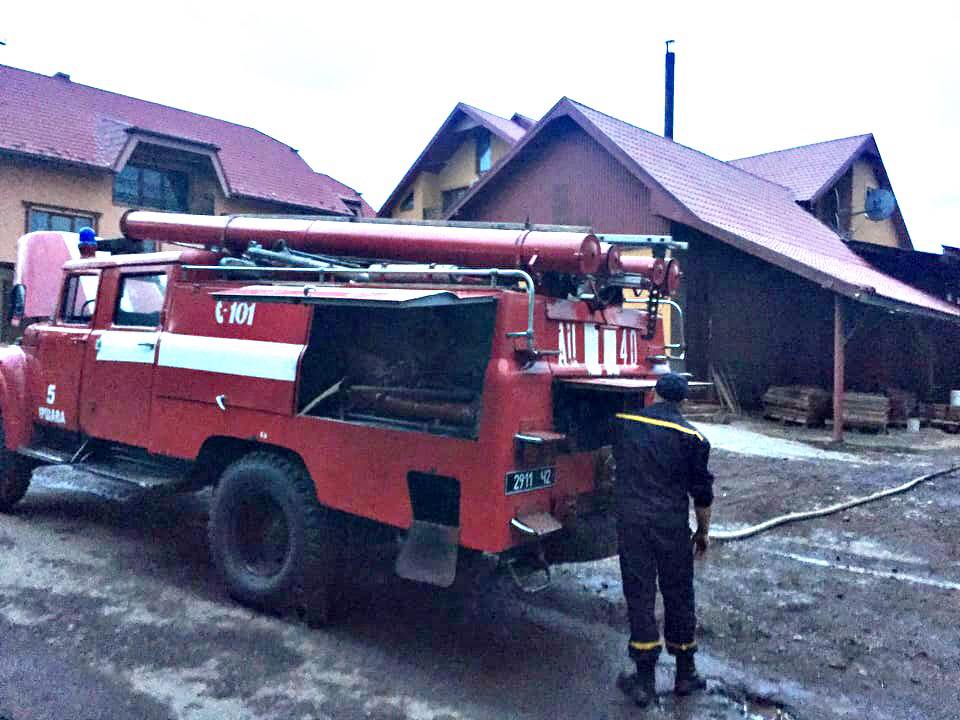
743 533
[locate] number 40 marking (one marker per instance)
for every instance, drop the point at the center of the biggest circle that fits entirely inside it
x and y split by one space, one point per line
629 347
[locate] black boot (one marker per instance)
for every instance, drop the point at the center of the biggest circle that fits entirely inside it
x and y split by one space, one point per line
687 681
641 686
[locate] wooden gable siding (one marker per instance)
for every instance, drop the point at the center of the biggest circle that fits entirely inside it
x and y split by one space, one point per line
564 177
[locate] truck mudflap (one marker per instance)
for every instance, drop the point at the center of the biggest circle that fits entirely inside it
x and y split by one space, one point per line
429 553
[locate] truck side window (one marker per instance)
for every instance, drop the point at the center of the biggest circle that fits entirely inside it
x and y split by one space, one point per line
79 299
140 300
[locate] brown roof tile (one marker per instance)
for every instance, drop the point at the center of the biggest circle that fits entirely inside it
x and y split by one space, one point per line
55 118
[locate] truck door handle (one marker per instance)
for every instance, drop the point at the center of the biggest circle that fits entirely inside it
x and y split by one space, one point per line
148 345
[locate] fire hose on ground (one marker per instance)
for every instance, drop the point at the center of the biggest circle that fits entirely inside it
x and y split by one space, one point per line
743 533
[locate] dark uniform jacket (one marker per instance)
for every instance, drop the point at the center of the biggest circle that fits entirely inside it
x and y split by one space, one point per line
661 462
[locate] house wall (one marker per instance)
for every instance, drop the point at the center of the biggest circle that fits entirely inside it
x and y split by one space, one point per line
90 191
25 181
564 177
459 171
883 232
759 324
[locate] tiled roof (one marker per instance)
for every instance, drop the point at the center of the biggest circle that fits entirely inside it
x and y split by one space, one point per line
807 170
348 193
55 118
509 131
755 215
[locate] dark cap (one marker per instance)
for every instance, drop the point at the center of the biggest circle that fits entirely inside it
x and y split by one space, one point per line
672 387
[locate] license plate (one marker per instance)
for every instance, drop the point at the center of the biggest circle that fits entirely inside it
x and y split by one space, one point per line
520 481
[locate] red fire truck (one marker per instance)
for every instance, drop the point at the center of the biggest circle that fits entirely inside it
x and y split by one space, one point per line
453 384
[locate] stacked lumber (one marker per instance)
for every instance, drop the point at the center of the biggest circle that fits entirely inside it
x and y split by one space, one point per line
903 405
866 411
944 417
802 404
705 412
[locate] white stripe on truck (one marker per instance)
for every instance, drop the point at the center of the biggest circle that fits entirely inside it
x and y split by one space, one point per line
230 356
129 346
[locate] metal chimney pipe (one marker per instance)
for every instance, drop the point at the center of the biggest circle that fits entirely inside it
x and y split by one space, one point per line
668 95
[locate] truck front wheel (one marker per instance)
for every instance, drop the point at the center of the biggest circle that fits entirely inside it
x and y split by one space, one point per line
271 539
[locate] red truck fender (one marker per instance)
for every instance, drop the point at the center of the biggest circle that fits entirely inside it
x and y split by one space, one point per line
14 397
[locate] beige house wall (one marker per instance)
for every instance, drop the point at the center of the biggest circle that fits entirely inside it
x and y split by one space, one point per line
87 191
24 181
499 148
863 229
459 171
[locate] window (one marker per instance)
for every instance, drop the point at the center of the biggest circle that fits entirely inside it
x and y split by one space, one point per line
79 299
151 187
40 219
451 197
484 151
407 203
353 206
141 299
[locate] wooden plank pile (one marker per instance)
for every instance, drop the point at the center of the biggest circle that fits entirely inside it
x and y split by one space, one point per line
866 411
944 417
801 404
903 405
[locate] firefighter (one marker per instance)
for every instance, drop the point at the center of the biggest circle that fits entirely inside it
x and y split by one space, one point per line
661 460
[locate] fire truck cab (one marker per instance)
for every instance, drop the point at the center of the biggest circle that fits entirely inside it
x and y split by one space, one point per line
466 407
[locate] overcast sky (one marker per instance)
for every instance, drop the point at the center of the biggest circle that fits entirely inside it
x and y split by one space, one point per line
360 87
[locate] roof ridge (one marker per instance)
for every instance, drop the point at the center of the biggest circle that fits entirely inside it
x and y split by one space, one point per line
485 112
141 100
674 143
801 147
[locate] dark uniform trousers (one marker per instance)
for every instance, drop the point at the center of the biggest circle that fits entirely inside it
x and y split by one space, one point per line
649 553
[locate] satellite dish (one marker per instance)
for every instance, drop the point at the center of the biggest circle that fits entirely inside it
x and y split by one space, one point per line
880 204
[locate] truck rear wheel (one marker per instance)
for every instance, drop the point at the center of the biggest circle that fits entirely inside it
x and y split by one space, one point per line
271 539
15 472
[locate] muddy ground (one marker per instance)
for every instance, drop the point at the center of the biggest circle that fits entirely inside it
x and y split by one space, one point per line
109 609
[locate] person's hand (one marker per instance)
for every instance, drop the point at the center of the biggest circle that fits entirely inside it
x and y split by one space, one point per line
701 542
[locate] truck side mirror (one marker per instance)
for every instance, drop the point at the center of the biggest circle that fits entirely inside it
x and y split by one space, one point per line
15 307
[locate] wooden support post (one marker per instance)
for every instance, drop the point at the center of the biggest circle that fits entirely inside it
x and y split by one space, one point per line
838 367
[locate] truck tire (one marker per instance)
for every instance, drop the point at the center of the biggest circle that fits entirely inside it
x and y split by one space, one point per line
270 538
15 472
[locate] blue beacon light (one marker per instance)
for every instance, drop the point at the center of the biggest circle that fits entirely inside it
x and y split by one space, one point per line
88 242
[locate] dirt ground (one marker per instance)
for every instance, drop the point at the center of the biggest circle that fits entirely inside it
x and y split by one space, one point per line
109 609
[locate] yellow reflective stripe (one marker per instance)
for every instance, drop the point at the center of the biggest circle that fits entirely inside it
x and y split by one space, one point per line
660 423
682 647
645 645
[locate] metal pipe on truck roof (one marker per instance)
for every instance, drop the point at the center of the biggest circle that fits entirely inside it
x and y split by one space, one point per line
535 250
654 269
612 264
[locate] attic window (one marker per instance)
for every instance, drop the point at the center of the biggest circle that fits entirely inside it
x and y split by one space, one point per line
484 151
353 206
151 187
407 202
